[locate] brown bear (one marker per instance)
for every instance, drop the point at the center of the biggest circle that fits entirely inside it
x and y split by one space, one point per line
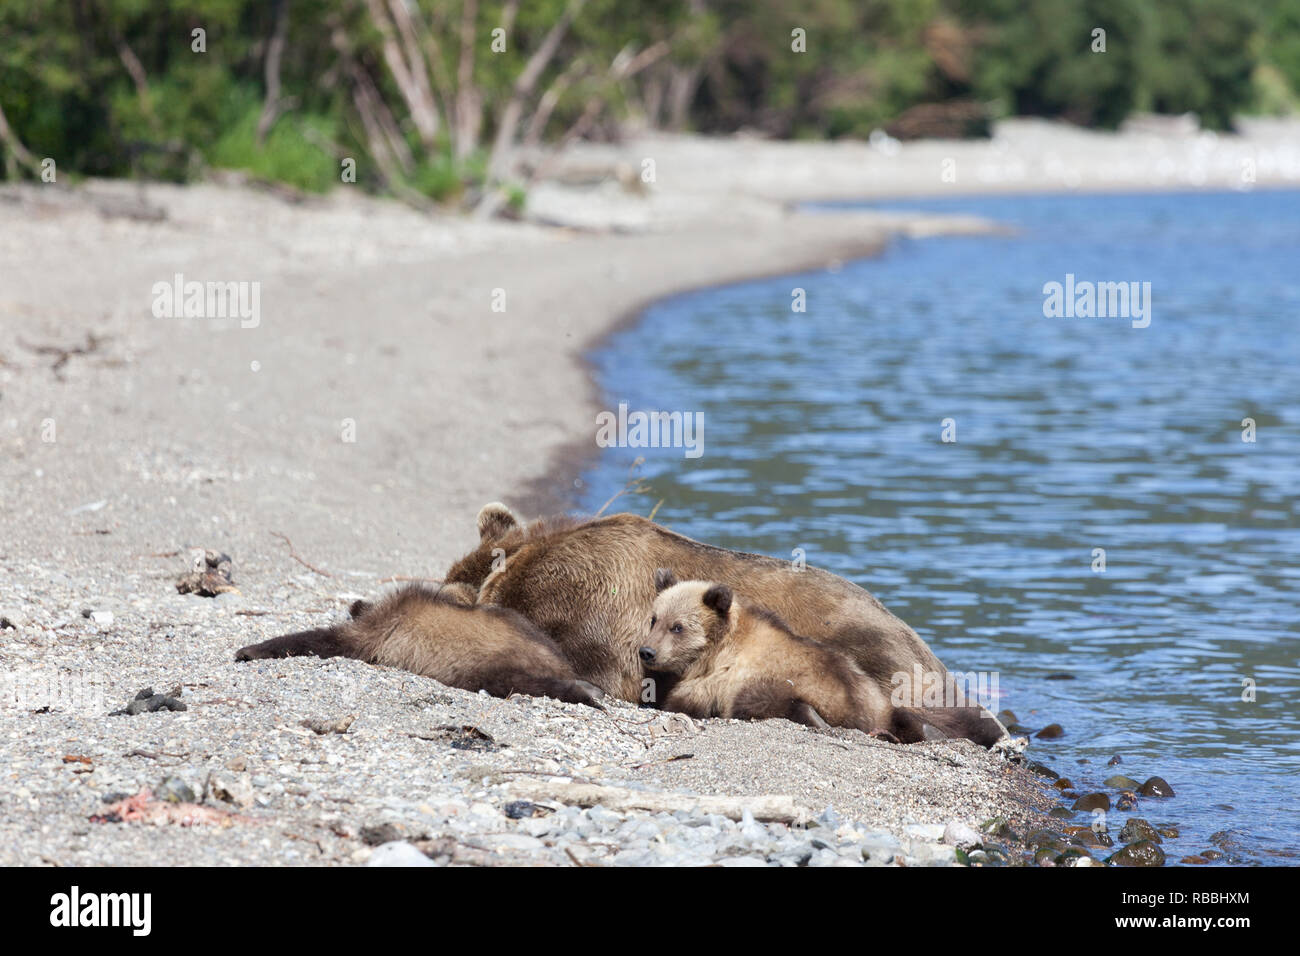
442 633
589 584
727 658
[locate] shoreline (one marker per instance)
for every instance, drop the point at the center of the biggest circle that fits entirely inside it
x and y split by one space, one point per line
176 434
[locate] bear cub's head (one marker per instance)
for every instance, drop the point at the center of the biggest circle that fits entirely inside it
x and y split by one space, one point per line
687 617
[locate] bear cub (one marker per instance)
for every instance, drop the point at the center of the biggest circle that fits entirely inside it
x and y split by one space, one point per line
442 633
723 658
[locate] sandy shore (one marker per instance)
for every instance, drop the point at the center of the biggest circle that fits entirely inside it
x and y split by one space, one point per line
375 323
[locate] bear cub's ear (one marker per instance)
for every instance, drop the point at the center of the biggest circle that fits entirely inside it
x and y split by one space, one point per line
458 594
718 597
664 578
494 520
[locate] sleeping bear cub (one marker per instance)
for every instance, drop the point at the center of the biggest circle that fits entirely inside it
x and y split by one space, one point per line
717 657
445 635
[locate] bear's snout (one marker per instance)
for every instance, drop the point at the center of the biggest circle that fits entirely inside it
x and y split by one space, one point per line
647 655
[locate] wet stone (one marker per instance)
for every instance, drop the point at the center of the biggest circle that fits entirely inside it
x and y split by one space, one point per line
1092 801
1051 732
1044 837
1121 782
1142 853
997 827
1156 787
1138 829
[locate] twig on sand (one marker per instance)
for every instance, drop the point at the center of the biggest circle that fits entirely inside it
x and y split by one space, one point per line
306 839
63 353
659 763
152 755
297 557
645 742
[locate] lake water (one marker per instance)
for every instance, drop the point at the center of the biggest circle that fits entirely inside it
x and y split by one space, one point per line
824 432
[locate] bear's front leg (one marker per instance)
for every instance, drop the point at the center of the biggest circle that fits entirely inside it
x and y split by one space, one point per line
319 642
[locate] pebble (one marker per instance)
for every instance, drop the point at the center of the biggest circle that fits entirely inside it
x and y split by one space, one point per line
11 617
961 835
397 853
536 826
925 831
516 842
174 790
234 788
931 854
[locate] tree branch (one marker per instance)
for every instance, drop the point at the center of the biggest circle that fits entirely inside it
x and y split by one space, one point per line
274 106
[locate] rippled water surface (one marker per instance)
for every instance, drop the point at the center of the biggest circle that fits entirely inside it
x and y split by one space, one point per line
823 433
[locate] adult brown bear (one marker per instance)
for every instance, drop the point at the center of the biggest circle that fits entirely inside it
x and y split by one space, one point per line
589 584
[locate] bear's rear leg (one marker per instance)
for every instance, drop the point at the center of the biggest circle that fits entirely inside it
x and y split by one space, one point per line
767 700
571 690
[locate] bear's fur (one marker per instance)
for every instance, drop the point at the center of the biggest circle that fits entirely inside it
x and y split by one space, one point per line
730 659
445 635
589 585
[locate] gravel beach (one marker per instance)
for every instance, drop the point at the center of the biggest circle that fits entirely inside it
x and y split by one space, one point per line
348 438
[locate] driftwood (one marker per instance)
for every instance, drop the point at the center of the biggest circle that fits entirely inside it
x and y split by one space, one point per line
958 119
766 808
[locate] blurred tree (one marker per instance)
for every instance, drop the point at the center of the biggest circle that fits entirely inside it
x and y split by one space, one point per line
455 100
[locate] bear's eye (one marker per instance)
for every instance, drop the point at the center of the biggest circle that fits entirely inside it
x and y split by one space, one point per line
652 620
677 628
